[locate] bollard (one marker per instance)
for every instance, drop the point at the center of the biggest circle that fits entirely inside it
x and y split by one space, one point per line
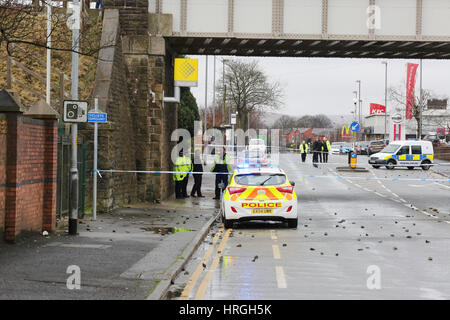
353 159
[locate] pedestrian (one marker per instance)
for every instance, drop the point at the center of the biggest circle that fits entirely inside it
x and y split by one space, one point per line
187 168
304 150
198 167
327 148
222 167
322 148
317 149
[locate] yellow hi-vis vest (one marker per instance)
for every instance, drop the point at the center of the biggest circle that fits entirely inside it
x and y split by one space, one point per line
222 165
304 148
182 165
328 146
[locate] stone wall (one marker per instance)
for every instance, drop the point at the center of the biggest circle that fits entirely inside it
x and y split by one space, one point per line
130 79
117 139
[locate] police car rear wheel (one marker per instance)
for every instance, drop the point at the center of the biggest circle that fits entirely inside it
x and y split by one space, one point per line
426 165
227 223
292 223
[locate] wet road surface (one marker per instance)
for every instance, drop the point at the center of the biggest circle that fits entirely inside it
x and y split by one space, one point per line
356 239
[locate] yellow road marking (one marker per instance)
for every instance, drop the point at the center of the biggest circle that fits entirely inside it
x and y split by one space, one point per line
201 291
276 252
281 280
198 271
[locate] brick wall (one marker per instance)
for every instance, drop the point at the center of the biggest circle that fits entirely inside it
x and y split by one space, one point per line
29 155
3 131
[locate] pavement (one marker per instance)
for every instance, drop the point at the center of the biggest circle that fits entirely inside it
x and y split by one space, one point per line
442 167
132 253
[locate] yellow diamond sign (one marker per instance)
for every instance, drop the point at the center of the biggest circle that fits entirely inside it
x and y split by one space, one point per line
186 72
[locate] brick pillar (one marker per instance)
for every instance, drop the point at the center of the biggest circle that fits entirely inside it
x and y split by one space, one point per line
50 185
12 179
3 152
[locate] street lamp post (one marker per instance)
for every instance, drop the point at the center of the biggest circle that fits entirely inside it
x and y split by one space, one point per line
385 99
359 100
224 90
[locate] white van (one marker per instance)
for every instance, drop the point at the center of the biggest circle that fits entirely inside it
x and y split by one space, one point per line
257 146
408 154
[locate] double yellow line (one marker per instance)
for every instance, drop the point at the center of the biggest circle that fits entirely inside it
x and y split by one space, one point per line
201 291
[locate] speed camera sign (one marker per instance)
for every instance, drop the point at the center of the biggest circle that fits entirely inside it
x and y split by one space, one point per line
75 111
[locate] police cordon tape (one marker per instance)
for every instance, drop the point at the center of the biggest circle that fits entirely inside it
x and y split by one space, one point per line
299 175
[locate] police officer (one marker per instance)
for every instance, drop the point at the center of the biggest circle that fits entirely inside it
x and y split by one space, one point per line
182 166
221 165
198 167
304 147
327 148
317 149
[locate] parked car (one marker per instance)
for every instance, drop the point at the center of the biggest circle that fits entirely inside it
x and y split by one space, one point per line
376 146
433 138
346 147
336 147
364 147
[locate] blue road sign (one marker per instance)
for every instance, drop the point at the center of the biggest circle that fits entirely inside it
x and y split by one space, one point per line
99 117
355 126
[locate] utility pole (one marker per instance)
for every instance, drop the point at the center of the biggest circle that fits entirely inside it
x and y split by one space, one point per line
385 99
420 104
214 95
49 54
224 92
73 217
206 92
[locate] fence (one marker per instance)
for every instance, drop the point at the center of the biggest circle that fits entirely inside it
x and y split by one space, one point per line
63 174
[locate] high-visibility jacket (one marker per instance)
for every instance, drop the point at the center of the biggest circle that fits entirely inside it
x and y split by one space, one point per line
182 165
304 148
222 164
328 146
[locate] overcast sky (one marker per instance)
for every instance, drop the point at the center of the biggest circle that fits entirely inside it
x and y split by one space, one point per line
326 85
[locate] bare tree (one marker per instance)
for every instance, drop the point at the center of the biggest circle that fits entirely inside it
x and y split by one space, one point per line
398 95
24 22
284 122
247 90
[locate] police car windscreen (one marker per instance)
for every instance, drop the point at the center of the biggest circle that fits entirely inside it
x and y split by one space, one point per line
260 179
392 148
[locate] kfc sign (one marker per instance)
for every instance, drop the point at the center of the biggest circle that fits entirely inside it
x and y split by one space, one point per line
377 109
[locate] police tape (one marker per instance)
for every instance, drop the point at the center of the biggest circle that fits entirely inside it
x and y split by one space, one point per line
297 175
368 165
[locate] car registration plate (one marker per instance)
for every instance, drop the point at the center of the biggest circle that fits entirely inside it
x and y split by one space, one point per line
262 211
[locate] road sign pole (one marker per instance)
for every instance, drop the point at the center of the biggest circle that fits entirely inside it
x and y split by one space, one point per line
94 189
73 217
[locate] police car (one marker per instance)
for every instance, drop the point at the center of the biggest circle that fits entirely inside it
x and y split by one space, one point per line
260 193
406 153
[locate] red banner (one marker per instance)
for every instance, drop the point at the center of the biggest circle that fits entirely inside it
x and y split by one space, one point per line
377 108
410 83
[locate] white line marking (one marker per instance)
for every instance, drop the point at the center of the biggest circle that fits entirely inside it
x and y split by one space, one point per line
281 280
273 235
442 185
276 252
